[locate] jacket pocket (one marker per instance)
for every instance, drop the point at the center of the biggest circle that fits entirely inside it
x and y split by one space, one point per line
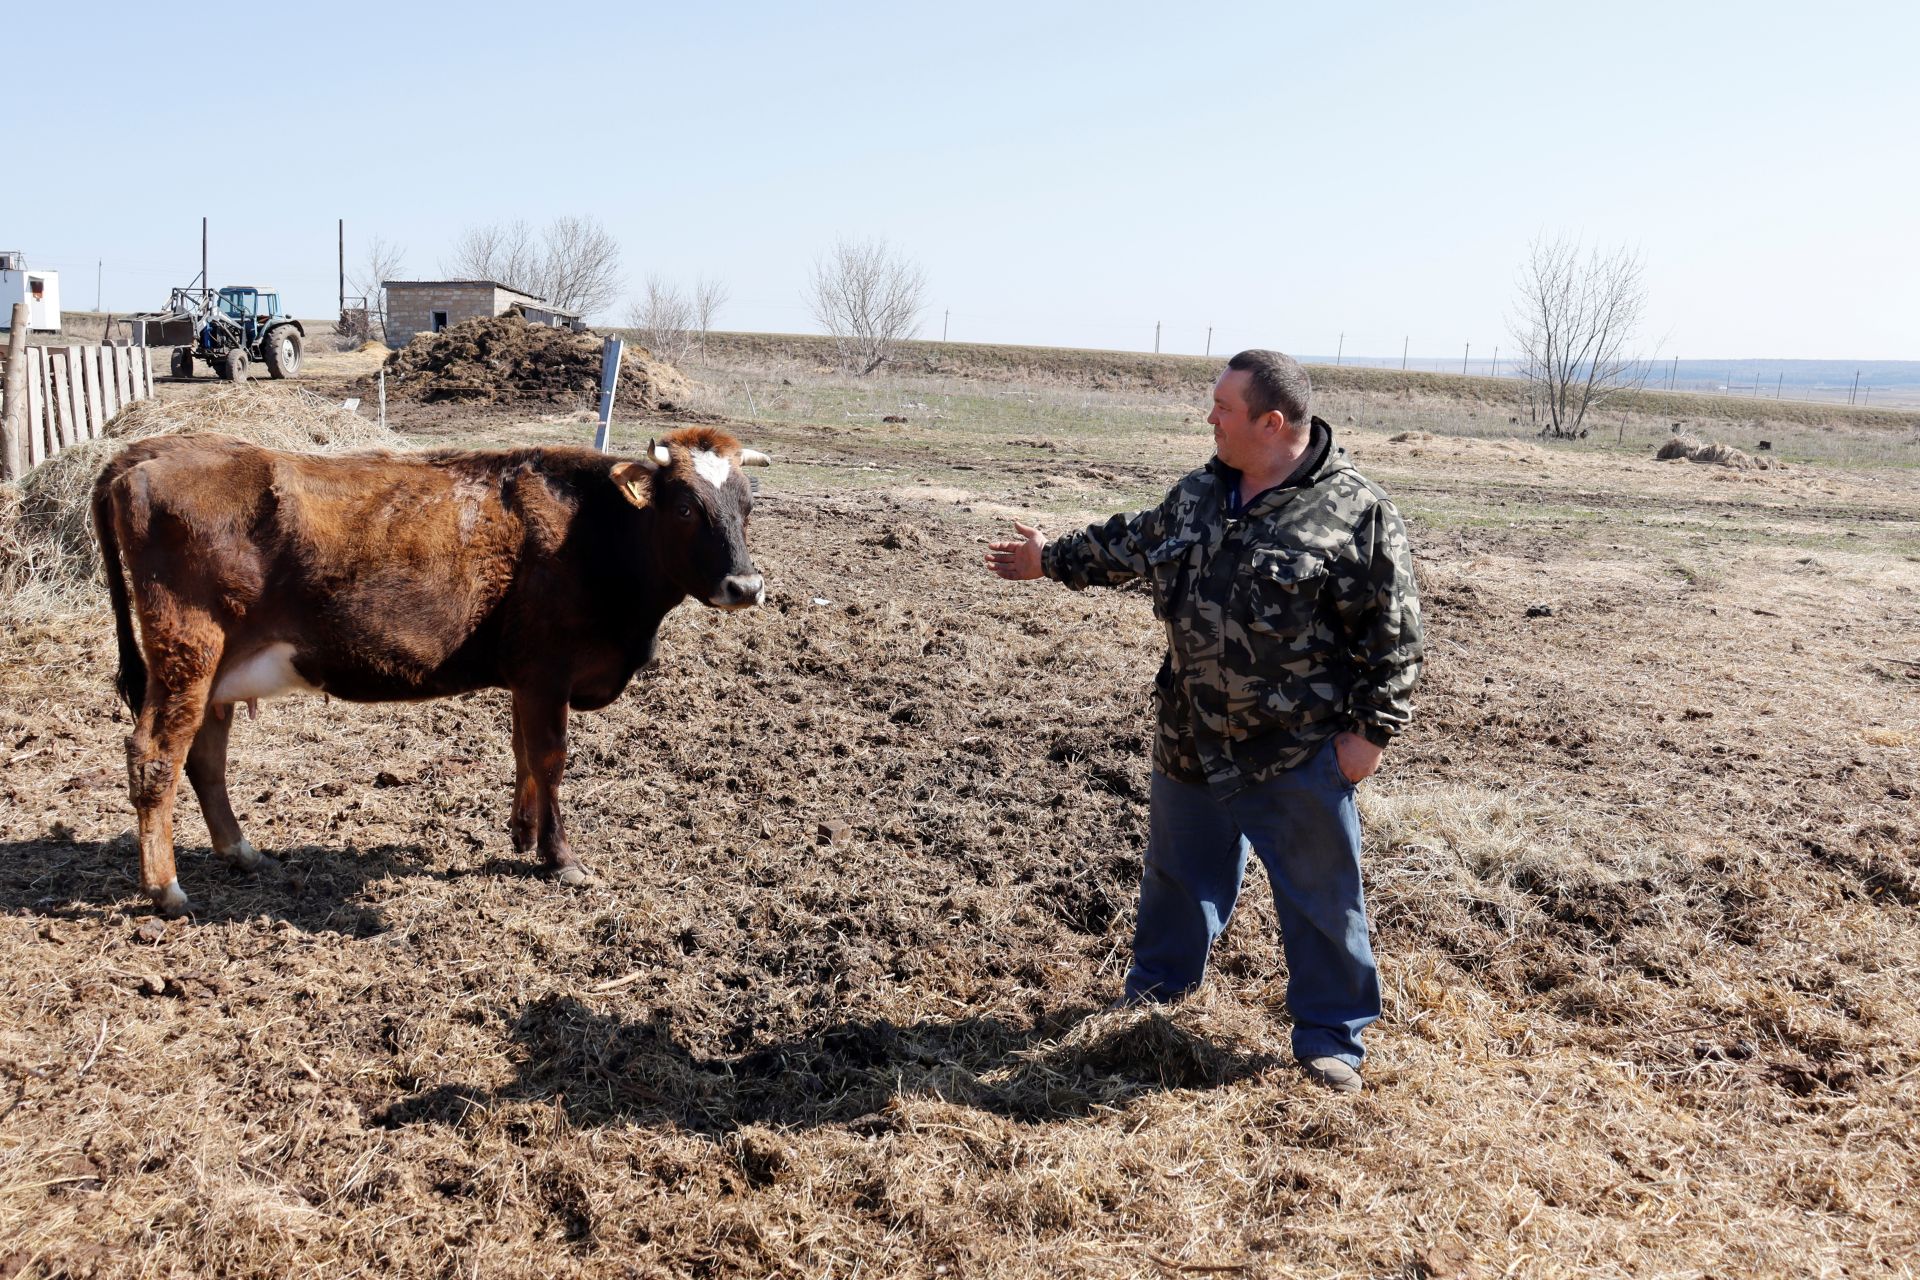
1283 591
1166 573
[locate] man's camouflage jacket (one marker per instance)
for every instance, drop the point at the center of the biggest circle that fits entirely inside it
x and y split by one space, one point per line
1287 621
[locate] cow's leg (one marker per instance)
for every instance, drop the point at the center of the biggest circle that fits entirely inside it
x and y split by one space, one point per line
521 824
207 770
542 720
169 720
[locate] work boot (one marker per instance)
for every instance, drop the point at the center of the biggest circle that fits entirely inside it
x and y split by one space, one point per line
1332 1073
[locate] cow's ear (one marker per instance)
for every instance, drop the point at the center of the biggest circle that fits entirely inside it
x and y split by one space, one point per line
635 481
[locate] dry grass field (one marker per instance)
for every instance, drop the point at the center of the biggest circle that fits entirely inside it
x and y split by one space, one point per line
1645 880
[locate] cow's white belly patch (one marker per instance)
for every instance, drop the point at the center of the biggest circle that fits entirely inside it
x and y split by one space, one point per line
712 468
267 674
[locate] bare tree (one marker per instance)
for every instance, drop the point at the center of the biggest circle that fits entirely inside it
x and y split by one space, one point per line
1574 317
581 267
503 252
665 318
708 297
381 262
574 264
869 298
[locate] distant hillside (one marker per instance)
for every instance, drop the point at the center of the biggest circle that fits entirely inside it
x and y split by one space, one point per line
1190 375
1889 383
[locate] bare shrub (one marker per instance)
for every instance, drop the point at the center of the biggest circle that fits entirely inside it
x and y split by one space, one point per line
380 263
667 320
1575 316
869 298
708 297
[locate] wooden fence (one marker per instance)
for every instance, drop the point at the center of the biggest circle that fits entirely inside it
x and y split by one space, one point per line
73 392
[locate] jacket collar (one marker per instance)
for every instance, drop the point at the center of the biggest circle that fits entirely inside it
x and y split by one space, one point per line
1321 460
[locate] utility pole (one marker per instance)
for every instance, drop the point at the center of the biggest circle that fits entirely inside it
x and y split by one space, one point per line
945 316
1496 364
1340 350
1778 383
1156 337
1673 372
1868 396
99 272
343 266
204 282
1403 353
1463 359
1209 339
1856 387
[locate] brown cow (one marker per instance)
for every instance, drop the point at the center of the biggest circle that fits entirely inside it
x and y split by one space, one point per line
384 577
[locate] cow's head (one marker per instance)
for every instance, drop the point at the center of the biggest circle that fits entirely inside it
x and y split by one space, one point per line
690 481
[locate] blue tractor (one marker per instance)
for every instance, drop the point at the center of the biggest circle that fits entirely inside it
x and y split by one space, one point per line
232 329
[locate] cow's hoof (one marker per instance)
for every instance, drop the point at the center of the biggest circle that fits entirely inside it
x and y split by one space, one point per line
244 857
172 901
573 875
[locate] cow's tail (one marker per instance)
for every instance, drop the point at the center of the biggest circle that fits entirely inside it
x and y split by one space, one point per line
132 683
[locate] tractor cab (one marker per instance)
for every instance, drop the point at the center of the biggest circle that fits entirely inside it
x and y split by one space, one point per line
249 307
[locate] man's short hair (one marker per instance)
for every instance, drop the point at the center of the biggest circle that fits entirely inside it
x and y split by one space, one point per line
1276 381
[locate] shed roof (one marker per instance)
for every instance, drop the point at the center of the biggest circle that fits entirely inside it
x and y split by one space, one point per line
405 284
549 308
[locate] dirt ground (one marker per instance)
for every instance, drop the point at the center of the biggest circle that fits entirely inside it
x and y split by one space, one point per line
1643 878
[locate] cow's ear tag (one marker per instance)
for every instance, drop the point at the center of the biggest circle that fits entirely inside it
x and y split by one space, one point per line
635 481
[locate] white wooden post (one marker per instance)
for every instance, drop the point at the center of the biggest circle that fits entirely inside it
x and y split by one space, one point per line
609 384
77 425
62 399
36 408
110 383
90 377
143 364
123 366
13 399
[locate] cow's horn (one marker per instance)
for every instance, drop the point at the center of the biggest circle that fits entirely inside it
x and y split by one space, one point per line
660 455
754 458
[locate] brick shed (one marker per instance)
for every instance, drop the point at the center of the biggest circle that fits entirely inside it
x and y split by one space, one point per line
428 306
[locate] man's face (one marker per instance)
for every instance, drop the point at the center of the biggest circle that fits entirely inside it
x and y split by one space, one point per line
1239 437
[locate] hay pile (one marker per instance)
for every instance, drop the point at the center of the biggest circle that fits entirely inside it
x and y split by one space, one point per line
48 560
1692 448
505 360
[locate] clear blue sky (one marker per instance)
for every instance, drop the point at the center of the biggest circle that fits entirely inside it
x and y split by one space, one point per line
1066 173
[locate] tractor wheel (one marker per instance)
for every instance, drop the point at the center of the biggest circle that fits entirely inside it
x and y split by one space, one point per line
283 352
182 363
233 365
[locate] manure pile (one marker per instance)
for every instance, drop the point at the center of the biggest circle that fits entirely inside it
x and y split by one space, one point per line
505 360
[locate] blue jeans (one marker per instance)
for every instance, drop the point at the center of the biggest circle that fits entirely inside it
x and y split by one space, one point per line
1305 828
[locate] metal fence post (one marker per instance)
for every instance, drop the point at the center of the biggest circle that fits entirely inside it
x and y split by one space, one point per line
609 383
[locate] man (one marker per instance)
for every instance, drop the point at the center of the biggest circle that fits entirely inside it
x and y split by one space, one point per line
1293 641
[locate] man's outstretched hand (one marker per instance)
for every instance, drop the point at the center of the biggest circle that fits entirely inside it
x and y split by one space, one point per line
1017 561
